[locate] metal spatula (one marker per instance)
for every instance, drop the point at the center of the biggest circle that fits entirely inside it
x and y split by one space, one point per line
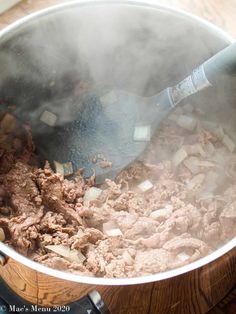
117 127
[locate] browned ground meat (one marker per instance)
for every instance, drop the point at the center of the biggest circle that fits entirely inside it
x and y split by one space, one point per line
188 211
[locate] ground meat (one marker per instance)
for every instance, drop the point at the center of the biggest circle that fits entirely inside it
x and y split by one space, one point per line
25 196
23 231
152 261
170 225
228 220
186 241
83 238
51 188
143 227
59 263
52 222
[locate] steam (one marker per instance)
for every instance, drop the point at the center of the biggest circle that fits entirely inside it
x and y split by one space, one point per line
134 48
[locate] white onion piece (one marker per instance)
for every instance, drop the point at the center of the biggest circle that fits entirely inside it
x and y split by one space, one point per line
68 168
48 118
186 122
8 123
226 140
173 117
188 108
182 256
179 110
194 149
108 98
214 128
92 194
59 167
65 169
179 156
161 213
110 229
210 148
196 181
2 235
71 255
211 183
142 133
145 185
127 258
192 163
209 125
205 163
229 212
219 132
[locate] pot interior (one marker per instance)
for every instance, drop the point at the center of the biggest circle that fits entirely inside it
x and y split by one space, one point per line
138 48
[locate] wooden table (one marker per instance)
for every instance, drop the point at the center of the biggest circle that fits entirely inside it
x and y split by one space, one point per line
220 12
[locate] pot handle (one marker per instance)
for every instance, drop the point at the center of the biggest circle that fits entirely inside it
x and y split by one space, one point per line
222 66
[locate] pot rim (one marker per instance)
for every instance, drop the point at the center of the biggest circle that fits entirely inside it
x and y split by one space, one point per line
116 281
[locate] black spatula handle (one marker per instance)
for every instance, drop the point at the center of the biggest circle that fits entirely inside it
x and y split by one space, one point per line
221 66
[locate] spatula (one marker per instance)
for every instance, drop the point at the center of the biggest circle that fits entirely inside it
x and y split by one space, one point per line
118 126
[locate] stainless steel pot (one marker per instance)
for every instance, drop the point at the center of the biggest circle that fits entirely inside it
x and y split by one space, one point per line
135 45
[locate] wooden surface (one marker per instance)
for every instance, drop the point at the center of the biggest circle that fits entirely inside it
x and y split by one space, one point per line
195 292
227 305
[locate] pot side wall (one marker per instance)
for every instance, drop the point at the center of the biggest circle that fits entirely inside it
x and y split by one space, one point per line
194 292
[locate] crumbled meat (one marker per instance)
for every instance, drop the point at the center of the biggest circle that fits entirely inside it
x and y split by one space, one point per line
84 238
228 220
152 261
189 211
25 196
51 188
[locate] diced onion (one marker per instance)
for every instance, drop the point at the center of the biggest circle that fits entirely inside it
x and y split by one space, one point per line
127 258
59 168
145 185
188 108
182 256
65 169
71 255
2 235
108 98
195 149
214 128
68 169
179 110
206 163
192 163
173 117
179 156
209 125
211 183
8 123
110 229
226 140
210 148
196 181
161 213
48 118
219 132
229 212
92 194
142 133
186 122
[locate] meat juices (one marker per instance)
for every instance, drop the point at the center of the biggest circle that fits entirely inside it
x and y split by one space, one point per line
176 206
